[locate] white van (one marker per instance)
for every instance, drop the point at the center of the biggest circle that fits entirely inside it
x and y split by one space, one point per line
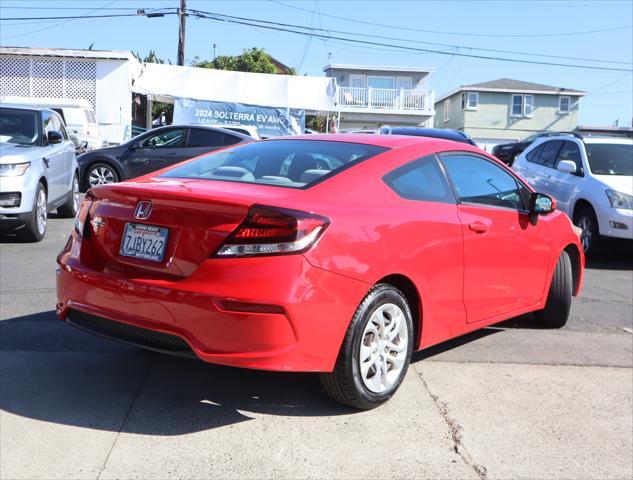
81 124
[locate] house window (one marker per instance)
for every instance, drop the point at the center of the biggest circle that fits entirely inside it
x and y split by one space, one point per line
447 106
380 82
528 105
357 81
404 83
564 104
522 105
470 100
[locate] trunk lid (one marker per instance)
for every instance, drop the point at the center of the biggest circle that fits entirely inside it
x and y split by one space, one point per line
199 215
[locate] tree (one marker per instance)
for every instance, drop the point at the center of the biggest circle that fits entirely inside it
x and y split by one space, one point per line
255 60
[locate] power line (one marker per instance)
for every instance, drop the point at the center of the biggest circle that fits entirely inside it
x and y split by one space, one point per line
282 28
453 46
463 34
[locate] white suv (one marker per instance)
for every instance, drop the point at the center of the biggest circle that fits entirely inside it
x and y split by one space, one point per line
38 170
591 179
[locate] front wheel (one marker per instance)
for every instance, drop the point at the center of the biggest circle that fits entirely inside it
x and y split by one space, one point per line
376 351
35 225
590 235
558 305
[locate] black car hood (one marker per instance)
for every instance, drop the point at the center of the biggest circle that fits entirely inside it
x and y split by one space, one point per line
111 152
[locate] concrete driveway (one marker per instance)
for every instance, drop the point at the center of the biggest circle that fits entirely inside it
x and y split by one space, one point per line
513 401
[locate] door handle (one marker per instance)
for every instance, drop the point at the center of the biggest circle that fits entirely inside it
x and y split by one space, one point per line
478 227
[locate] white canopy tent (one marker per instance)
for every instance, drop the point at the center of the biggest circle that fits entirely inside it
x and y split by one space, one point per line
167 82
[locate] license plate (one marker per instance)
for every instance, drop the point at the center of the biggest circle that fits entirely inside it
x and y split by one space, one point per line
146 242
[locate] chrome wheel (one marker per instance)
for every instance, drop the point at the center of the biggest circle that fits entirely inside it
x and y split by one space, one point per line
75 193
383 350
101 175
586 236
41 212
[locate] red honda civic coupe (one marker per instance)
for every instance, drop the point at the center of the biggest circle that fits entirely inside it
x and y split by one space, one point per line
337 254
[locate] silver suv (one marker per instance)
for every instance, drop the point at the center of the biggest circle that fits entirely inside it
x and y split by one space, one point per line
38 170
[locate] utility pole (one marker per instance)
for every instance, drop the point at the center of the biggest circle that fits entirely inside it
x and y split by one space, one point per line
182 16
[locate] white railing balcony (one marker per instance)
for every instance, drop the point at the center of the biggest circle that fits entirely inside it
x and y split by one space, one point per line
385 100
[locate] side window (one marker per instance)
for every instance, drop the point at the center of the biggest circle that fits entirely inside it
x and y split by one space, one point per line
534 155
58 125
166 139
570 151
231 140
550 152
47 125
480 181
199 137
421 180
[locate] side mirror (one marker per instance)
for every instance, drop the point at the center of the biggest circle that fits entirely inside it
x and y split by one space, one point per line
566 166
541 204
135 145
54 137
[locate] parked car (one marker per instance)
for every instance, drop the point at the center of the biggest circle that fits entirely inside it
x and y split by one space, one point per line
446 134
248 130
79 118
153 150
254 257
508 152
38 170
591 179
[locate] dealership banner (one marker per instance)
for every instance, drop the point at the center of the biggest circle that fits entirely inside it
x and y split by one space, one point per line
270 121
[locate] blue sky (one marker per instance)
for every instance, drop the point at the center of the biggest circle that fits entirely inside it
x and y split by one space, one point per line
541 27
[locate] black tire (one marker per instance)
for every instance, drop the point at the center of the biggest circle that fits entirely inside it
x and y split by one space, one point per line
590 236
32 231
70 208
110 174
345 384
556 311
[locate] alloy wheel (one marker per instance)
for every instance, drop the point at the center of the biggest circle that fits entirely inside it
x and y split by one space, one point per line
41 211
383 349
586 235
101 175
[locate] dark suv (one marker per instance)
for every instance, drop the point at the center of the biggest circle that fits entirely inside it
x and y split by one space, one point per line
153 150
446 134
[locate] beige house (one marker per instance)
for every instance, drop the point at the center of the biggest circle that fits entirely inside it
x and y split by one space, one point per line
504 110
371 96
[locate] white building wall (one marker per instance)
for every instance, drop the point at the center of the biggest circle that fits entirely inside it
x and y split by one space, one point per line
113 99
105 83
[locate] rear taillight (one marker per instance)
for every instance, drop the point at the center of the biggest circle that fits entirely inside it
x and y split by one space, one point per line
273 231
82 215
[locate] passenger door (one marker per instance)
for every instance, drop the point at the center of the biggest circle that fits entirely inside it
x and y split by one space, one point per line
202 140
54 159
564 185
505 254
156 151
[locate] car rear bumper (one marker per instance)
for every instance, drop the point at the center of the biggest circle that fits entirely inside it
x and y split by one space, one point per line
270 313
615 222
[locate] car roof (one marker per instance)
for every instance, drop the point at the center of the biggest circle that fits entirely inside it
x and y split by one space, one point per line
447 134
20 106
204 127
379 140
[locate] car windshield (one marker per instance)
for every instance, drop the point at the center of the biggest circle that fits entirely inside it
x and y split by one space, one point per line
287 163
18 126
610 158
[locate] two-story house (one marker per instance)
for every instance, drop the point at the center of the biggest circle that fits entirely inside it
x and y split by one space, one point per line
369 96
504 110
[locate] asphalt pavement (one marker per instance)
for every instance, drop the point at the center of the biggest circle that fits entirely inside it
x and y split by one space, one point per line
511 401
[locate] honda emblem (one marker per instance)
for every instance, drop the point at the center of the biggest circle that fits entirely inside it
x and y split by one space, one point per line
143 210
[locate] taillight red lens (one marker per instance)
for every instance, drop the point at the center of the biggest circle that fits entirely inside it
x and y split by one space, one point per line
273 231
82 215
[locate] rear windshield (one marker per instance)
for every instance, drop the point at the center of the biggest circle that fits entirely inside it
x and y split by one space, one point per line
610 158
287 163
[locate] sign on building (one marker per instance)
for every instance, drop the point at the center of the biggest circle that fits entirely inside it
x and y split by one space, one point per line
269 121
